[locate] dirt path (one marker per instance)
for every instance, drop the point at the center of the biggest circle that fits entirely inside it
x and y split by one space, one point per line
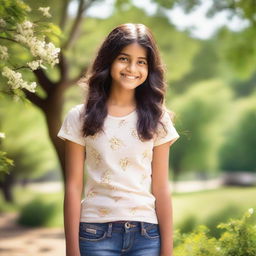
20 241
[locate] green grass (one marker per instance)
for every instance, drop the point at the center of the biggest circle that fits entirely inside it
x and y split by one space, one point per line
204 203
211 207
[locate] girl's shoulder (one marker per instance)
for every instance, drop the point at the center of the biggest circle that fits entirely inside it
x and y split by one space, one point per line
75 113
167 113
77 109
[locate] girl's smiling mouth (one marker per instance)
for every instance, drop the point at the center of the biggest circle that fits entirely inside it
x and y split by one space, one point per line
129 76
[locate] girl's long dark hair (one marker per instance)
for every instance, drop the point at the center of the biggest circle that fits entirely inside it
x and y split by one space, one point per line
149 96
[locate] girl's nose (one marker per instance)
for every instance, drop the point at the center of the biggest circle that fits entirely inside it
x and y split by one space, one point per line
131 67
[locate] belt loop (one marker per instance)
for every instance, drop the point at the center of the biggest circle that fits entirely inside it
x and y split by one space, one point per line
142 228
109 229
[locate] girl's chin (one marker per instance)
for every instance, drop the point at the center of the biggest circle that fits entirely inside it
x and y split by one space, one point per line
127 84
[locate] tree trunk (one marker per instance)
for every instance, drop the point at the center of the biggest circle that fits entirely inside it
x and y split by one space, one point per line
6 186
53 112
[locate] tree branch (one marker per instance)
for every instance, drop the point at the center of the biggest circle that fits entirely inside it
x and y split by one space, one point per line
76 25
9 39
43 80
34 98
64 15
63 67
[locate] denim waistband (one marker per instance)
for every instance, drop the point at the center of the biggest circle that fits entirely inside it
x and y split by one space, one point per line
118 226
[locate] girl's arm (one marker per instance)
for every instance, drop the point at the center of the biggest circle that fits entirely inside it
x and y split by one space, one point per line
74 167
162 193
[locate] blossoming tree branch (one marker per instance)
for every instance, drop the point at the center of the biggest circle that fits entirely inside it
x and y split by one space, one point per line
33 36
24 34
20 31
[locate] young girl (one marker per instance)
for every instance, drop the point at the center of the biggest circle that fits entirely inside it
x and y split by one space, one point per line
123 133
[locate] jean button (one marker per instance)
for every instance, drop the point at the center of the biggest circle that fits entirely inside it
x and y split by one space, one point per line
127 225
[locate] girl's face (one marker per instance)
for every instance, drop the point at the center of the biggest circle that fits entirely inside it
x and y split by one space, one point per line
130 67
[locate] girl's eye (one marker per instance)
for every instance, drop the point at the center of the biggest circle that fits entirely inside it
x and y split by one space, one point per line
123 58
142 62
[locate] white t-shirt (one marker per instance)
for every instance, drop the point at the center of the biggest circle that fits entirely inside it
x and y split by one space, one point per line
118 167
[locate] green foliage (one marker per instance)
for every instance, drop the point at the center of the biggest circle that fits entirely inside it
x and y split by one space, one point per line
204 66
31 152
201 112
56 8
237 51
5 163
188 224
238 151
37 213
236 48
51 31
230 211
208 204
13 11
197 243
239 239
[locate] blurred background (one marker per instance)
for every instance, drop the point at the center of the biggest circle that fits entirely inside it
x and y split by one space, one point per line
208 48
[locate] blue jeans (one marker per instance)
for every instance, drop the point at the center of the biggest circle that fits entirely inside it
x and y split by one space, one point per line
121 238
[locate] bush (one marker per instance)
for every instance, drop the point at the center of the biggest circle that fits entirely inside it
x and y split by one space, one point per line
37 213
230 211
188 224
197 243
238 239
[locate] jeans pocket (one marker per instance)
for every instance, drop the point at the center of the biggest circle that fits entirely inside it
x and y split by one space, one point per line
152 231
93 233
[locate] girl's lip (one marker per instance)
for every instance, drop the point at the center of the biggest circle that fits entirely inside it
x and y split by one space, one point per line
129 76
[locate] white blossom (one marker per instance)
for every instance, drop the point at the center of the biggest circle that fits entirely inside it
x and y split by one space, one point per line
45 11
20 38
26 25
2 23
251 210
45 51
31 87
3 53
2 135
52 54
24 31
34 65
15 80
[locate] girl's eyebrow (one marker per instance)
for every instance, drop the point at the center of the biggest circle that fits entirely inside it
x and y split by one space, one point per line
122 53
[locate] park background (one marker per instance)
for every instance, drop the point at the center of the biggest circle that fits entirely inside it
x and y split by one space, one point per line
208 48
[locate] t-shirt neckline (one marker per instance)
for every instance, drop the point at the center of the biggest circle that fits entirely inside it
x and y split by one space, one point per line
122 117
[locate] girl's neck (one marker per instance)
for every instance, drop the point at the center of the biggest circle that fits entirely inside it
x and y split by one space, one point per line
121 99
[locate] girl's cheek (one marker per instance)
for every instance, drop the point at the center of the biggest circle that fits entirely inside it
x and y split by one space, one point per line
120 65
144 70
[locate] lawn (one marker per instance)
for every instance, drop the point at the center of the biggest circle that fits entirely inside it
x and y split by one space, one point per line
212 206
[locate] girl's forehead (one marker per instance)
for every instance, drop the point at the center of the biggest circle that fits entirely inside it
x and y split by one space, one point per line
134 49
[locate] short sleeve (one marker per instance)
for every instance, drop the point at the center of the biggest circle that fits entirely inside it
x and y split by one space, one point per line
71 128
168 134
